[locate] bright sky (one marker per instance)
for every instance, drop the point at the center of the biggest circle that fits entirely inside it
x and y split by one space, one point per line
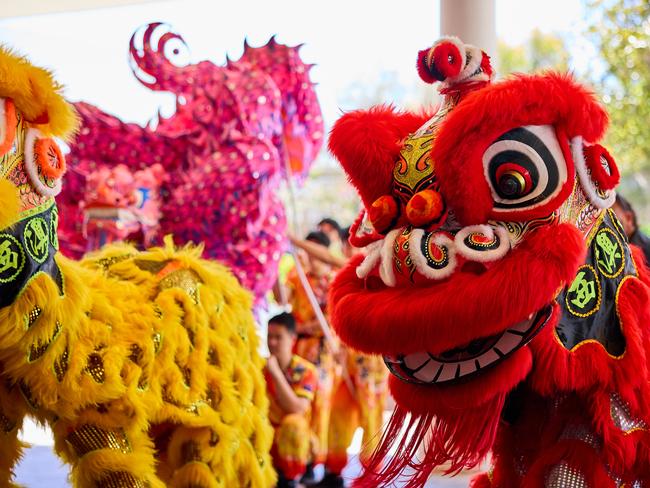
350 40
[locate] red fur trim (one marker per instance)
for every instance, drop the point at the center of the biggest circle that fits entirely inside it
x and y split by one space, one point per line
589 365
423 67
483 116
577 455
605 181
368 142
447 60
363 239
486 65
620 449
638 256
451 313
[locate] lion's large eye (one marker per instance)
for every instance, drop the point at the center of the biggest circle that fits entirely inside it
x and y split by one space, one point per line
44 162
525 168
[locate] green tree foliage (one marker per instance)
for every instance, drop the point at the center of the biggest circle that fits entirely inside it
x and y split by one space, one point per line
541 51
620 31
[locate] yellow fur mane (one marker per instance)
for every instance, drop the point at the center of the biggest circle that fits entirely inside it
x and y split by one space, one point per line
37 95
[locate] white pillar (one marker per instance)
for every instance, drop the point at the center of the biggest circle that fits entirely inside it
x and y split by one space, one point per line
473 21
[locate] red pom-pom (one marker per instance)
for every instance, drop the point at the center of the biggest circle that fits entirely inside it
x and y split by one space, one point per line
443 61
602 166
447 60
486 66
423 67
424 208
383 213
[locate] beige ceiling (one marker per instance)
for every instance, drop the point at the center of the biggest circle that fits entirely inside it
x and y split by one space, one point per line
20 8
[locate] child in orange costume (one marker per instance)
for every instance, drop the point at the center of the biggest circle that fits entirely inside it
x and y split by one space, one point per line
291 383
358 401
311 343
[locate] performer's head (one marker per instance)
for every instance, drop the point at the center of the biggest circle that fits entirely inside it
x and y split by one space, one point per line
281 336
331 229
317 267
626 214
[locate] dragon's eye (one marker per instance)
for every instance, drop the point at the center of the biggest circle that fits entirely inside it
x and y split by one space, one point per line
525 168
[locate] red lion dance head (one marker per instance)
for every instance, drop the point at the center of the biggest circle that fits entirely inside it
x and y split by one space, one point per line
497 284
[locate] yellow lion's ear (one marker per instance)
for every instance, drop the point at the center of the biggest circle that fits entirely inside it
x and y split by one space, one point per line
9 203
36 95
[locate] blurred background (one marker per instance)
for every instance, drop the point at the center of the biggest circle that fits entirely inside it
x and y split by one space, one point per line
365 53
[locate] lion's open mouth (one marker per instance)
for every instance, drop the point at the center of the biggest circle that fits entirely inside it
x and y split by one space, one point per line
462 362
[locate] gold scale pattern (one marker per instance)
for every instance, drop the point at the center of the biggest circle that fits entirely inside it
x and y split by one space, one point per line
121 479
88 438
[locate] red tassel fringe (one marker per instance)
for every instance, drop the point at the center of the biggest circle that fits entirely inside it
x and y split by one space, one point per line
457 440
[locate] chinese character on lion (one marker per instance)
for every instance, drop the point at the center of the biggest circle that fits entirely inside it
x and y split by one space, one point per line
498 285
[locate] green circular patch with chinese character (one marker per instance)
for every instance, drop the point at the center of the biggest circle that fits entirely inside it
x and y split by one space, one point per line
584 295
12 258
54 227
608 253
36 237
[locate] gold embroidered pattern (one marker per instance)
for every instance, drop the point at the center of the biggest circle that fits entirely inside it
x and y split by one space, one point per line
213 358
88 438
33 316
136 354
28 395
95 368
186 279
37 350
157 341
61 365
108 262
121 479
190 452
153 267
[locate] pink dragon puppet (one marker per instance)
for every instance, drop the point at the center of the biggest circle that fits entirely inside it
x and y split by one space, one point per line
121 205
238 130
498 285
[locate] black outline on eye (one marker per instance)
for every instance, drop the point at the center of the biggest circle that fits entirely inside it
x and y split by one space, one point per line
531 140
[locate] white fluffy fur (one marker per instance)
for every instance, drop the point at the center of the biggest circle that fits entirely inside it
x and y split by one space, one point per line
371 259
588 185
487 255
420 259
386 271
32 168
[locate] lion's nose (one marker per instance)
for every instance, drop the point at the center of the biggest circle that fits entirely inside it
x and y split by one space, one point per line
426 209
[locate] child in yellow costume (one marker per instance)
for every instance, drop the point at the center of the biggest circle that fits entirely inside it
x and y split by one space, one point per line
143 363
358 401
291 382
311 343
